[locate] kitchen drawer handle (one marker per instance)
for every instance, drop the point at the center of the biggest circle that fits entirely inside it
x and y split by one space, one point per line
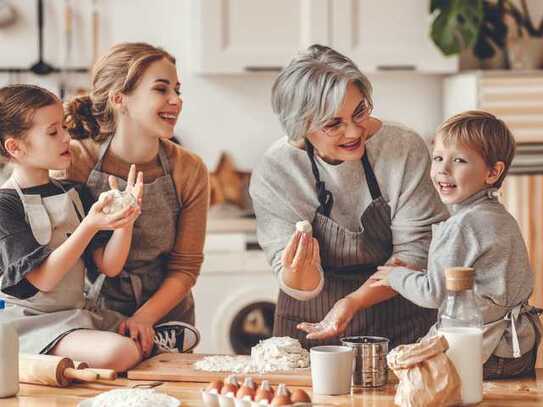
263 68
396 68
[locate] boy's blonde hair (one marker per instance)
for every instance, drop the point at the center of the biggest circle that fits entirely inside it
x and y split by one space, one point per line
484 133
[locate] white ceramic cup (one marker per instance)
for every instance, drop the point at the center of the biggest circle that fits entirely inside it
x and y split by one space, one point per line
331 369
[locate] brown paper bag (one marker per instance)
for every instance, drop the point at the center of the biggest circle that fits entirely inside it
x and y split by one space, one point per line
427 376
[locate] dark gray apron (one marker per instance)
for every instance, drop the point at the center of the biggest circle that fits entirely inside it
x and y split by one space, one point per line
154 236
348 260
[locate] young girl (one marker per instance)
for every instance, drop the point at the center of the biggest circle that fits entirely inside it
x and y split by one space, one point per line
128 117
44 236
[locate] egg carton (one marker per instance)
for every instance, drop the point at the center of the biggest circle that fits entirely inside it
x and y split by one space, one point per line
231 393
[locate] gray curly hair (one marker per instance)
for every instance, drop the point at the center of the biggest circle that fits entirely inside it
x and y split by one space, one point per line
310 90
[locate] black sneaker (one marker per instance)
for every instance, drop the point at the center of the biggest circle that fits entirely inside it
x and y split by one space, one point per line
175 336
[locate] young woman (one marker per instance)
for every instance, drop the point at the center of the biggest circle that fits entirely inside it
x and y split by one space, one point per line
129 117
45 238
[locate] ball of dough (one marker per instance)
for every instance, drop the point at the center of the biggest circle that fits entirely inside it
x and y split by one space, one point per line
304 226
119 200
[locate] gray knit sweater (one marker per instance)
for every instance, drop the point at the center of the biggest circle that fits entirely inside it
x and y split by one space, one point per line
481 234
283 192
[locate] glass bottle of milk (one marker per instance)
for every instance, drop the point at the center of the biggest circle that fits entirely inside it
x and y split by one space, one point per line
9 358
461 322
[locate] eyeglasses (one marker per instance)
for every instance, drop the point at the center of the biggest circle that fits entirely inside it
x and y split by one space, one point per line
336 127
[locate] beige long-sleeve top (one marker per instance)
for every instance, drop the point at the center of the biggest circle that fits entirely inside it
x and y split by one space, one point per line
190 177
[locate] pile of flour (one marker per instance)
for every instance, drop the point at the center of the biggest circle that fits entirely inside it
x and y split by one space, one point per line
134 398
271 355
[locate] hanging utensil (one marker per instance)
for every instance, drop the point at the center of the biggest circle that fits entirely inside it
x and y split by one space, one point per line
41 67
68 32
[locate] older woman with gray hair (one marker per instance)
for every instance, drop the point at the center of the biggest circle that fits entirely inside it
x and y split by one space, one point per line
364 186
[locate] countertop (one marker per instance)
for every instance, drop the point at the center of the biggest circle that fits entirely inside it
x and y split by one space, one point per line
519 392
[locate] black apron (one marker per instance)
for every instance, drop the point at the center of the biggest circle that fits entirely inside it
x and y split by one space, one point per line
348 260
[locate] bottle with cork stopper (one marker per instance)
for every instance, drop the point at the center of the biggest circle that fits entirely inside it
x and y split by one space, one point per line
460 322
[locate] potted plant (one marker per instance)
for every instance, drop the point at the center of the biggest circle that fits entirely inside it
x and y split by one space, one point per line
488 28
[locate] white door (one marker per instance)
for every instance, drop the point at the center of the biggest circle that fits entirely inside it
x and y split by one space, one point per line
388 35
235 36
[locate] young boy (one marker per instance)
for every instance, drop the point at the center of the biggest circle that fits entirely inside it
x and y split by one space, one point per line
471 156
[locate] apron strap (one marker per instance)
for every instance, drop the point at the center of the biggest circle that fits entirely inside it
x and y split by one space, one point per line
102 153
163 159
35 215
371 180
164 162
513 315
325 197
79 211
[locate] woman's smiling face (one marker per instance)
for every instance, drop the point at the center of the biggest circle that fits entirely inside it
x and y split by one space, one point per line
155 104
344 136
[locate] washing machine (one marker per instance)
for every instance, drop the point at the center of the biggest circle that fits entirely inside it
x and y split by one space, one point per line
235 294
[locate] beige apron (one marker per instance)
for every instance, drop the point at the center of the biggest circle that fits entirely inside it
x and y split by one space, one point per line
43 319
154 236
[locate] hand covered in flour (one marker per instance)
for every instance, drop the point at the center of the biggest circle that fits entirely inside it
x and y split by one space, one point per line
101 219
140 331
334 323
301 262
131 196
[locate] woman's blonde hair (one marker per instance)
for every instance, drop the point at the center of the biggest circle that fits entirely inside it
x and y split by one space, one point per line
119 71
484 133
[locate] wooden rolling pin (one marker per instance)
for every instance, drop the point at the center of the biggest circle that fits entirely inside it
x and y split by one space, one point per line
51 370
103 374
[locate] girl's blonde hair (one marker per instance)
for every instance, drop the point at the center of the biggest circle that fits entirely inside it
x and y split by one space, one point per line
119 71
484 133
18 103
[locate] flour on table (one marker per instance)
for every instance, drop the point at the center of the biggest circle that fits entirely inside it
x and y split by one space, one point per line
134 398
271 355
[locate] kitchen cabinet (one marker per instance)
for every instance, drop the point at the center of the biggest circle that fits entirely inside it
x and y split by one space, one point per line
236 36
513 96
382 35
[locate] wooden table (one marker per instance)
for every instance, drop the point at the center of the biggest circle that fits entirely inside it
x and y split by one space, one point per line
506 393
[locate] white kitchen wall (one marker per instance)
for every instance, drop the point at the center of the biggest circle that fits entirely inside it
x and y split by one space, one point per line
221 112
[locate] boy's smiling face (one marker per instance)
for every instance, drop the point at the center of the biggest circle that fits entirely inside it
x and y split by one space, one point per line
459 171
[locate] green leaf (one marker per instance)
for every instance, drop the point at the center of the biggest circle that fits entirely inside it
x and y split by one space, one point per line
456 24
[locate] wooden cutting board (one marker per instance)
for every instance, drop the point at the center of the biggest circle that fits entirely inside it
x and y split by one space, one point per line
177 367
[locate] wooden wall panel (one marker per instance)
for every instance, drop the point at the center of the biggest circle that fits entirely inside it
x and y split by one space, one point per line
522 195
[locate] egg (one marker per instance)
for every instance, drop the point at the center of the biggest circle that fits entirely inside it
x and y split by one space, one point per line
282 396
247 390
300 396
215 386
281 401
230 385
264 392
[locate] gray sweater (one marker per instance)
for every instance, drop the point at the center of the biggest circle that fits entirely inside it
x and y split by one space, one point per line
481 234
283 192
